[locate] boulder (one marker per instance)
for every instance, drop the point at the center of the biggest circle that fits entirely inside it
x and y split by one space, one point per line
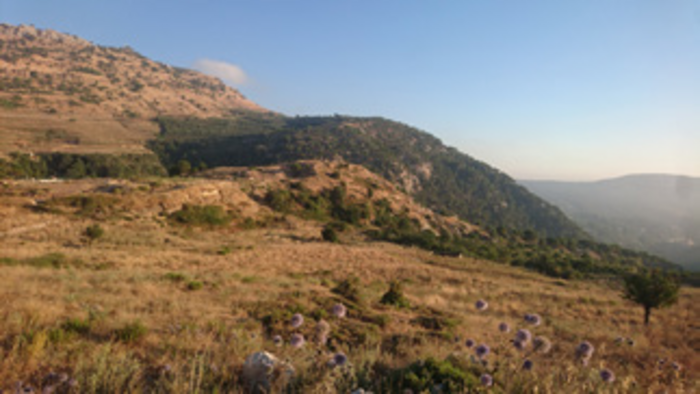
263 370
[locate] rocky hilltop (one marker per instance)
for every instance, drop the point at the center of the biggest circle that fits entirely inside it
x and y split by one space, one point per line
60 92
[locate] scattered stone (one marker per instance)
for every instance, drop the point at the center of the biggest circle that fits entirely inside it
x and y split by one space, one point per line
262 369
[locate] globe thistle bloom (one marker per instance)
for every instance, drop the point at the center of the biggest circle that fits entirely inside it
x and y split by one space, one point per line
504 327
481 305
528 364
486 380
542 344
584 351
297 340
340 359
523 335
607 375
482 350
339 311
533 319
297 320
277 340
469 343
520 345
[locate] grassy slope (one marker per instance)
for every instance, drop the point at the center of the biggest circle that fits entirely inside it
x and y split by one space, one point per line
203 336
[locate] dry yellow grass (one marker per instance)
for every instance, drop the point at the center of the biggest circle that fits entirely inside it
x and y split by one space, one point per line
204 335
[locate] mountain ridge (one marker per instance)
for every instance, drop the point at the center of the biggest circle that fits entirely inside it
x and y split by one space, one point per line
62 94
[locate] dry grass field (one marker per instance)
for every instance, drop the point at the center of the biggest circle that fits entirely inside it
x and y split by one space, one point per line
155 306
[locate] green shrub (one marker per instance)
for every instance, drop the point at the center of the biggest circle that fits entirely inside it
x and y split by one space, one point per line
350 289
395 296
422 376
201 215
195 285
77 326
175 277
329 234
94 232
131 332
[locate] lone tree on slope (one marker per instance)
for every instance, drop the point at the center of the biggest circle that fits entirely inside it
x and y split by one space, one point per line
651 289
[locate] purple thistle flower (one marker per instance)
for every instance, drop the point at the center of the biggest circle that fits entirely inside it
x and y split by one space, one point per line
533 319
527 365
607 375
297 340
584 351
486 380
523 335
340 359
520 345
469 343
542 344
277 340
482 305
676 366
504 327
339 311
482 350
297 320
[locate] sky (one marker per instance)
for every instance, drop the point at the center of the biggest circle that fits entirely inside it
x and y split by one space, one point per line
565 90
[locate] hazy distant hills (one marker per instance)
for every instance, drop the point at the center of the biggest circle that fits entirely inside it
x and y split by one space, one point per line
655 213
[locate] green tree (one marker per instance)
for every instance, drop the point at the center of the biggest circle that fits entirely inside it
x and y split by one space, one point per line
183 168
651 289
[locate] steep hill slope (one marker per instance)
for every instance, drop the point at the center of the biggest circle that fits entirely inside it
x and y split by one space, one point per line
62 93
438 176
655 213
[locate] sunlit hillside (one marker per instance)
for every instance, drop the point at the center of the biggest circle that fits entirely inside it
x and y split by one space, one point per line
111 286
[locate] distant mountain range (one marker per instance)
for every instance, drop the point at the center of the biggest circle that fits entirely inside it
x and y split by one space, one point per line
659 214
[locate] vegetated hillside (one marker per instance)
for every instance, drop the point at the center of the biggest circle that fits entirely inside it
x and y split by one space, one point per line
659 214
438 176
168 285
62 93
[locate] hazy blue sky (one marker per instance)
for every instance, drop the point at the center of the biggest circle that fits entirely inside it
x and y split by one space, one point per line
559 89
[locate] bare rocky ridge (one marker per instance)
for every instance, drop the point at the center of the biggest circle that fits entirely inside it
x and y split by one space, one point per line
59 92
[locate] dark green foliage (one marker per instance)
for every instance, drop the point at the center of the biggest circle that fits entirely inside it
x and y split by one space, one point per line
452 375
394 296
94 232
175 277
66 165
131 332
201 215
183 168
280 200
195 285
458 183
77 326
350 289
329 234
651 289
50 260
